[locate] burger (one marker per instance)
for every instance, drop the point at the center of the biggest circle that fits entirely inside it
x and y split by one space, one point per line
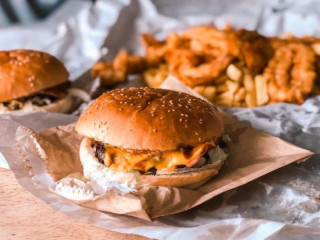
33 80
152 137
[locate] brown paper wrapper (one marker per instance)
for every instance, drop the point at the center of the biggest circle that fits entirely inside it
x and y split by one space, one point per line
253 154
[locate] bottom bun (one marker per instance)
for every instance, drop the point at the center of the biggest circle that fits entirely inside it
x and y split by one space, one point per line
189 180
186 177
62 105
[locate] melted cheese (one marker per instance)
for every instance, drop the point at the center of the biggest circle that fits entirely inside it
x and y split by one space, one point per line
118 158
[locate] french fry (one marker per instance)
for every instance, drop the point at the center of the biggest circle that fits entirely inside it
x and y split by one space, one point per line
316 48
261 90
250 99
221 88
155 76
234 73
248 83
221 79
239 95
209 92
225 99
199 89
232 86
249 86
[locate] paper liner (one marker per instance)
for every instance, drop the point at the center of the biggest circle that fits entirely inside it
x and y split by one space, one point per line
281 196
253 153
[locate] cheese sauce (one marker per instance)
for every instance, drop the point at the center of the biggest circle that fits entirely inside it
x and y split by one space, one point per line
119 158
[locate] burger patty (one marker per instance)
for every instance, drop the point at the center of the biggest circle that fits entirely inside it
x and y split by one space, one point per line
42 98
150 161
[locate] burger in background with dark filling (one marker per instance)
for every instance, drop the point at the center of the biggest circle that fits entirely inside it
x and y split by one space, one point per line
151 136
32 81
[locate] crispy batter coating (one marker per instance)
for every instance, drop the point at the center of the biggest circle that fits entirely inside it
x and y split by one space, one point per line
228 67
291 73
116 72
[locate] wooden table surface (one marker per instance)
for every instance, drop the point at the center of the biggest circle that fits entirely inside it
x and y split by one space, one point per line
23 216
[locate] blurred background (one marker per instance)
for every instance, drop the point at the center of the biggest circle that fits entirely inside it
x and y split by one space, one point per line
29 11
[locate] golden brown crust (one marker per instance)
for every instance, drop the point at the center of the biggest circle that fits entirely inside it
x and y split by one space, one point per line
183 179
62 105
25 72
150 119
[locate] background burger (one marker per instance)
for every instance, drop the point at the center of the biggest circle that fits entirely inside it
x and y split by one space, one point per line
151 136
32 80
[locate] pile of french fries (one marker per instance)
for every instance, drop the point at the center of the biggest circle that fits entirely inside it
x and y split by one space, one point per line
229 68
239 89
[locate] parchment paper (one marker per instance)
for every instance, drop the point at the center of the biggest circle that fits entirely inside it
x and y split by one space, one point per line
58 153
194 222
281 205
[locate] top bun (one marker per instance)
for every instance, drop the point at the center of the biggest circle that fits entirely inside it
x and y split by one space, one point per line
25 72
150 119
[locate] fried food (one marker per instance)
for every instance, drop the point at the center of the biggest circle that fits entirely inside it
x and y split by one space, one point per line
108 75
261 90
209 92
116 72
249 86
203 73
234 73
155 50
291 73
207 40
256 51
228 67
154 77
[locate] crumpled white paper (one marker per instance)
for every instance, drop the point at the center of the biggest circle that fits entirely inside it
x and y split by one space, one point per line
281 205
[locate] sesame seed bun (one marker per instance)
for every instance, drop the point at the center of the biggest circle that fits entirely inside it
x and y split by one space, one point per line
150 119
25 72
